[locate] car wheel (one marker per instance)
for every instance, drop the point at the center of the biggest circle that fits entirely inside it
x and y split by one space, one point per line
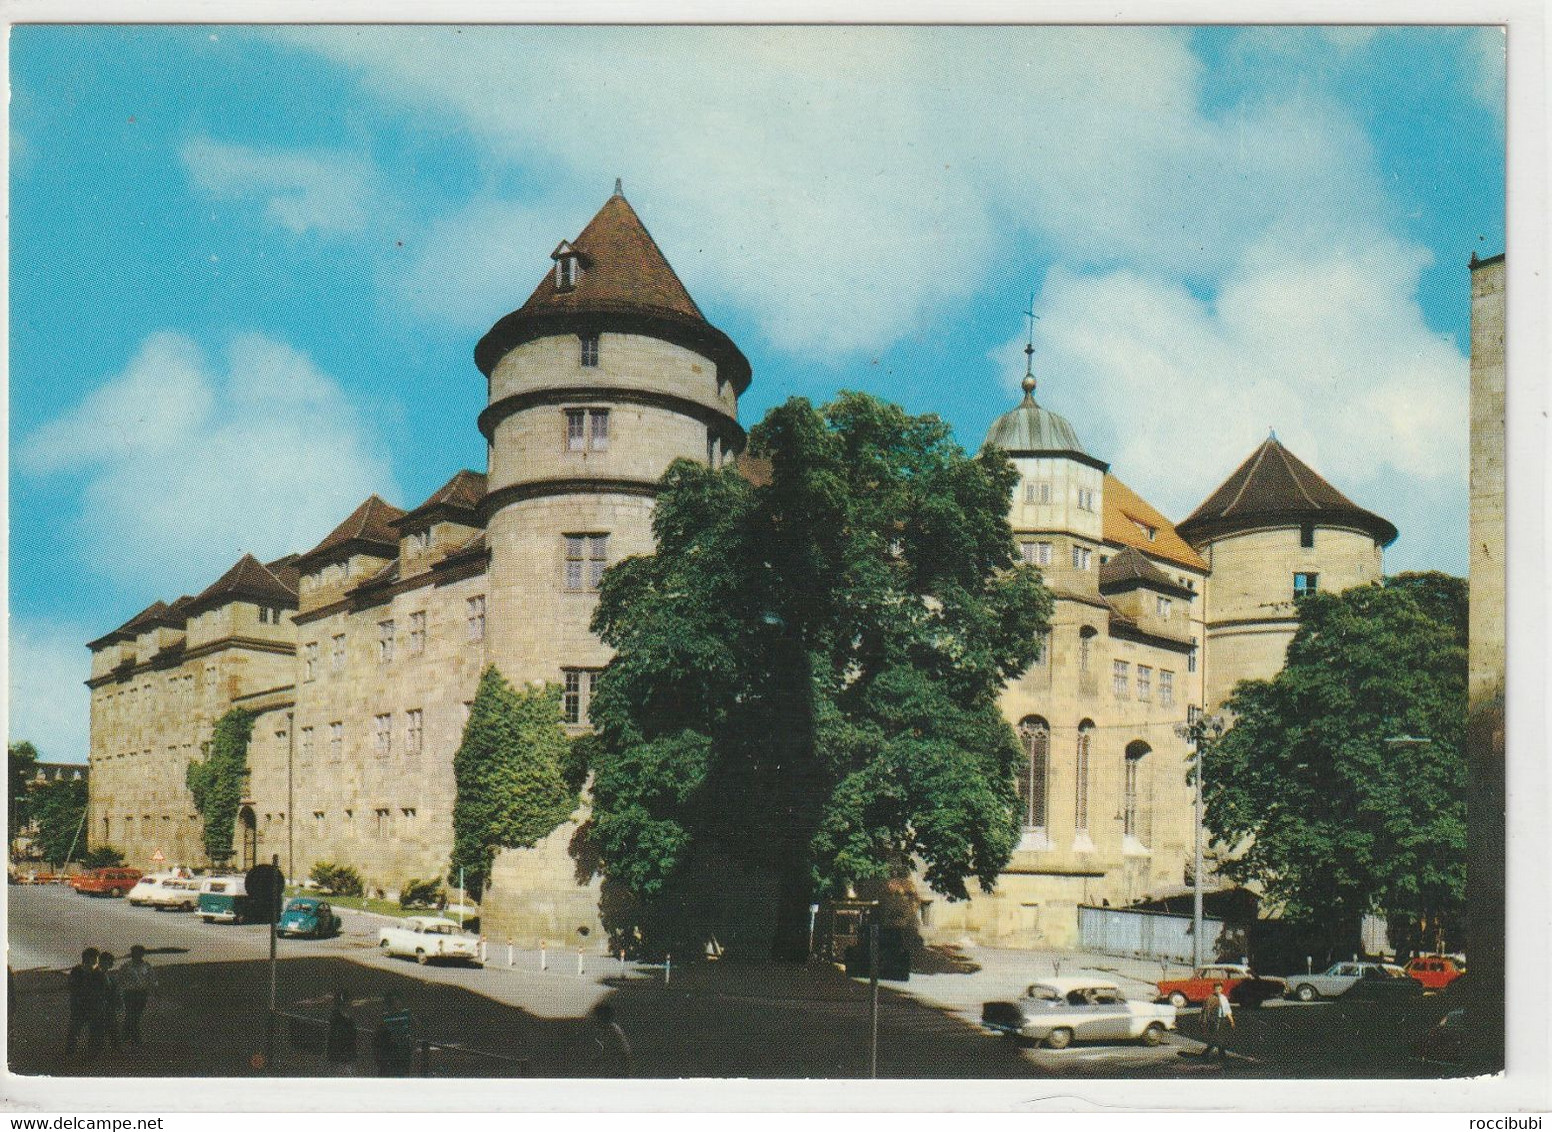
1154 1034
1306 993
1178 1000
421 957
1059 1038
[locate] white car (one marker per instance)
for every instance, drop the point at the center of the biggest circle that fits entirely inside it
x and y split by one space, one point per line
175 894
1059 1011
1334 980
428 939
147 887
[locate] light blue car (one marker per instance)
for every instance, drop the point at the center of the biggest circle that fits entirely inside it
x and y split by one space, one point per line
308 916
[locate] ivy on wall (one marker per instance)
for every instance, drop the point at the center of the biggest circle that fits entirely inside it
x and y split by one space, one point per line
217 783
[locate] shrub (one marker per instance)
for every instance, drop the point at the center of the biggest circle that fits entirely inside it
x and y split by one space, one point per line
102 857
418 893
337 880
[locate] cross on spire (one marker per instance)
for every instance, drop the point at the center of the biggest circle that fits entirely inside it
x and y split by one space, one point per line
1029 352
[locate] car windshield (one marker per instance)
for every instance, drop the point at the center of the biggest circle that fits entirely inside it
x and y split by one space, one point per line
441 929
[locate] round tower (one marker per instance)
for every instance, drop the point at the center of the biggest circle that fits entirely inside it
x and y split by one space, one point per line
1273 532
607 374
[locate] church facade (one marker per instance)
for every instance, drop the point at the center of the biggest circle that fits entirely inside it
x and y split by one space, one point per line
360 656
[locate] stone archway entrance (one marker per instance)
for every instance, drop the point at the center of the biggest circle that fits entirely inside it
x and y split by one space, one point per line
248 823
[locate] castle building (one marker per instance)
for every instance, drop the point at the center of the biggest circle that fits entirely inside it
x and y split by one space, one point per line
361 656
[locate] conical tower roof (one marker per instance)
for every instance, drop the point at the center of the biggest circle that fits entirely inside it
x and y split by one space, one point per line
624 284
1275 487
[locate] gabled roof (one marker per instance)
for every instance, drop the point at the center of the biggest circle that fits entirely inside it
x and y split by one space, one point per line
368 530
625 285
248 580
1124 510
1275 487
176 613
1130 568
458 498
133 627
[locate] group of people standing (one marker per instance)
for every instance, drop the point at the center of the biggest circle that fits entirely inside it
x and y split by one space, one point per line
107 1002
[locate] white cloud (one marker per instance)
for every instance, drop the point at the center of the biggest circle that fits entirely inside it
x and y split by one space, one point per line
49 704
845 185
1488 58
303 190
187 467
1322 342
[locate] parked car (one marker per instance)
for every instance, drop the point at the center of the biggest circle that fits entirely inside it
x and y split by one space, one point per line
1060 1011
1383 982
309 916
1243 986
1334 980
224 900
1444 1041
146 886
1435 972
176 895
105 882
429 938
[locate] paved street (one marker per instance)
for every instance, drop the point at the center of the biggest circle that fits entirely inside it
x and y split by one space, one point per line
707 1019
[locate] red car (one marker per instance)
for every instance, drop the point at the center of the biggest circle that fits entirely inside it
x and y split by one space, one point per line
105 882
1242 985
1435 972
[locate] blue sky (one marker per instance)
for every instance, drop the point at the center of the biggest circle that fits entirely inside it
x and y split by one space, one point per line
249 266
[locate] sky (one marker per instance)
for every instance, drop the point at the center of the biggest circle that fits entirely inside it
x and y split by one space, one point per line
249 265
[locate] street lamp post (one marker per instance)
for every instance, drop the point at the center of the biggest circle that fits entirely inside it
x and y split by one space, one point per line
1201 733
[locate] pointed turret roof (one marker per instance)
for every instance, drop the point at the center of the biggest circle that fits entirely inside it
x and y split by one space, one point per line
1129 568
368 530
624 284
459 498
248 580
1275 487
133 627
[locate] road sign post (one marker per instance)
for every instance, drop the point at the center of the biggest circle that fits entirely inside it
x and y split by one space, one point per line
266 887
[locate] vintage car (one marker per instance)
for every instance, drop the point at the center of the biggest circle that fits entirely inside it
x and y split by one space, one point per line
1334 980
430 939
175 895
1243 986
308 916
1384 982
1060 1011
1435 972
105 882
224 900
146 886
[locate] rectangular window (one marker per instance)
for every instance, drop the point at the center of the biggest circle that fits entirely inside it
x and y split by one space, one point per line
336 741
1193 713
310 660
576 430
1085 499
1120 677
1144 683
384 642
307 745
1191 657
210 677
1307 535
578 694
1035 553
589 349
418 633
1037 492
1164 606
414 729
586 558
382 733
587 428
474 610
598 429
1081 557
337 653
1166 687
1305 584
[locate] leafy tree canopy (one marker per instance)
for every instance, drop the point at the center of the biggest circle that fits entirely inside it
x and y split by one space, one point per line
58 809
22 762
806 681
1348 769
217 783
510 772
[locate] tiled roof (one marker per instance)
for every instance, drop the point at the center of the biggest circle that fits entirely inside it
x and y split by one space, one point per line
248 580
132 628
286 570
462 493
1126 514
625 284
1275 486
1131 568
369 528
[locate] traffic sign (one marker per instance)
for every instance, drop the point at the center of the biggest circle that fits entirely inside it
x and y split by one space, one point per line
157 857
265 886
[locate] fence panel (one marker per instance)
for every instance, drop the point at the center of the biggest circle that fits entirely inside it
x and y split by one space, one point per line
1144 935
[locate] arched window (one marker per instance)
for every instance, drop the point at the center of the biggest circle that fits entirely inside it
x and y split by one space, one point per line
1131 808
1034 776
1081 770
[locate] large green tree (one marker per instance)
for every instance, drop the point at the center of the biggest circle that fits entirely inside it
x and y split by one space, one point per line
1342 782
805 687
510 774
58 810
22 764
217 782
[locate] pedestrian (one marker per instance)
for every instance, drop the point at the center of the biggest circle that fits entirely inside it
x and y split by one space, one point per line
136 980
1217 1020
393 1042
612 1055
112 998
85 987
341 1050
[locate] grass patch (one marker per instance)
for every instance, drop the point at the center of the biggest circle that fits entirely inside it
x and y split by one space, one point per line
359 903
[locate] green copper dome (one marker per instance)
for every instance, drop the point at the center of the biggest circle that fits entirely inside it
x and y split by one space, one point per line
1030 429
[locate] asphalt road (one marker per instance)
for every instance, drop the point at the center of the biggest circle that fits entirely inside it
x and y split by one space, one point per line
707 1019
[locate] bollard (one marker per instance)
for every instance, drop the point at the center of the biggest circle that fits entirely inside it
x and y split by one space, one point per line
544 955
484 954
668 968
622 959
509 951
579 960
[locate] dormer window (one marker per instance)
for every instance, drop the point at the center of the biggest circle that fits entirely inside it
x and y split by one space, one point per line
568 266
